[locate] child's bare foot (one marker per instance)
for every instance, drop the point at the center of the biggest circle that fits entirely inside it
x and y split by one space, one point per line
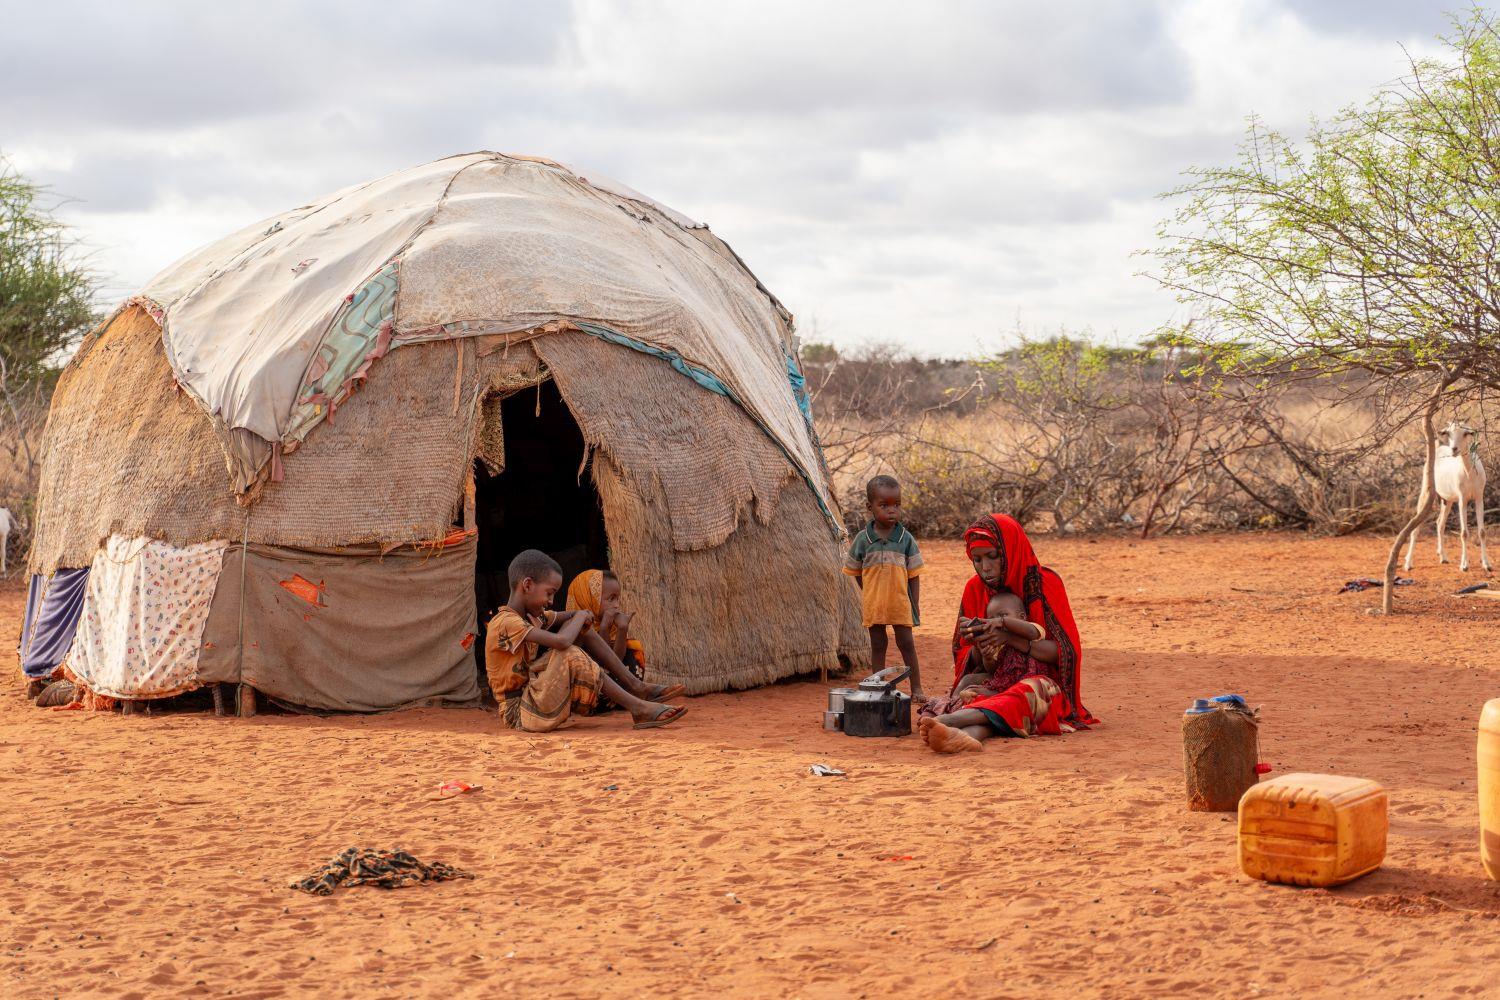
923 725
919 696
655 716
947 739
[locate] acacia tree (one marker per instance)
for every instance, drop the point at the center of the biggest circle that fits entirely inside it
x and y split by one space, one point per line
46 292
1368 245
46 305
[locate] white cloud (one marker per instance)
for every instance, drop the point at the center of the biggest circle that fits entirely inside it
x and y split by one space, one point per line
922 173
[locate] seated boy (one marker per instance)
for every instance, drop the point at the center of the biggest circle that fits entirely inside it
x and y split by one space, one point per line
545 665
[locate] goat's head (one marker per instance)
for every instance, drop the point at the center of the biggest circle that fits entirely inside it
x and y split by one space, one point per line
1460 438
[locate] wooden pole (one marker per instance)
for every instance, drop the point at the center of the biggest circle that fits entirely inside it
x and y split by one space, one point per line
246 701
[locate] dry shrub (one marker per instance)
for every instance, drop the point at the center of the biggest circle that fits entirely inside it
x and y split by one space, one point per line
1071 437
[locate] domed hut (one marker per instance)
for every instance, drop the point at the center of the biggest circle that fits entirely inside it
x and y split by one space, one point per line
302 457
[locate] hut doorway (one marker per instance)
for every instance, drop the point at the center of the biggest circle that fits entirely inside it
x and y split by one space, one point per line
541 500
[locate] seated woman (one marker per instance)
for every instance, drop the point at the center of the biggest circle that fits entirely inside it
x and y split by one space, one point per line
598 592
1024 679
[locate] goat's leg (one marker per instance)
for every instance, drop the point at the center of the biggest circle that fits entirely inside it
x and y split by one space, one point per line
1484 556
1442 523
1463 534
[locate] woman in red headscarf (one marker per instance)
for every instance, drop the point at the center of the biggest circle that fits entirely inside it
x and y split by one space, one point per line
1013 676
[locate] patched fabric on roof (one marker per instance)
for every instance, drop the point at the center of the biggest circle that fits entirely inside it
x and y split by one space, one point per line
270 329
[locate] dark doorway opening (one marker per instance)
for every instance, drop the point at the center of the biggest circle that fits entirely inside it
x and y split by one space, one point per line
540 500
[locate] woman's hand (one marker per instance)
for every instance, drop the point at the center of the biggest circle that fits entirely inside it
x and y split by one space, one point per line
973 628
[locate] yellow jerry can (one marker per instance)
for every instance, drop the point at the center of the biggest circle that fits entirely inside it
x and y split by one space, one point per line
1489 789
1312 829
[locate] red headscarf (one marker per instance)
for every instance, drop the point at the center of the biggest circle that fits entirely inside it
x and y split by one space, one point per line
1041 590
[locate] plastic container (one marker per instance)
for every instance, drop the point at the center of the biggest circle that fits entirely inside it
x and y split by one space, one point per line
1489 789
1312 829
1220 750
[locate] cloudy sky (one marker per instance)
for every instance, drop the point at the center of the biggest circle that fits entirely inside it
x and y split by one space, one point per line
936 174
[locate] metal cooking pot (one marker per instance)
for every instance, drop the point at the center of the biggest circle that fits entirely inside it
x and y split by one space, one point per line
876 708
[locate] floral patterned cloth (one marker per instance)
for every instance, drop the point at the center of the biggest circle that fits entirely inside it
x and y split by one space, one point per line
143 616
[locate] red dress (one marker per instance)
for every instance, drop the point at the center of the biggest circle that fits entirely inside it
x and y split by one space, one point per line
1046 600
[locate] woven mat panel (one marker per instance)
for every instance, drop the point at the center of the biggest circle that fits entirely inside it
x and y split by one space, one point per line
714 465
764 605
503 372
127 454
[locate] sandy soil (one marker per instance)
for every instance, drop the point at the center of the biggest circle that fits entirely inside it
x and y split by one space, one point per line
152 856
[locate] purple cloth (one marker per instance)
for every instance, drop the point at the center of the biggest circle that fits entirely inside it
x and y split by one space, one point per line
53 606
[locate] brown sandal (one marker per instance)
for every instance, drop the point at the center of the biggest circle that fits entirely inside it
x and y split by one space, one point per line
663 692
668 715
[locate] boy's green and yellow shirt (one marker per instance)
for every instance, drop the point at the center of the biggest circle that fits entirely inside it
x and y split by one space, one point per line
884 565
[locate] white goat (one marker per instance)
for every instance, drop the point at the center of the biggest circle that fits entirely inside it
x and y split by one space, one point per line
7 525
1459 477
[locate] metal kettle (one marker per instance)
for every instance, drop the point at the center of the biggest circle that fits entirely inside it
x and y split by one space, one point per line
876 708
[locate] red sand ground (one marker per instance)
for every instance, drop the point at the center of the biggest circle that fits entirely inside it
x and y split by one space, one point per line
151 856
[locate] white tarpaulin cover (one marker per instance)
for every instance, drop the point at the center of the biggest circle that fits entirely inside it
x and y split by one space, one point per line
271 328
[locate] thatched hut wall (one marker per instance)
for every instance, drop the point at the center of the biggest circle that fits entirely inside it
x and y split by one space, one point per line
708 517
762 606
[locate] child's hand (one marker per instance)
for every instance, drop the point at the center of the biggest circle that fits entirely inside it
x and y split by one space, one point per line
587 617
969 694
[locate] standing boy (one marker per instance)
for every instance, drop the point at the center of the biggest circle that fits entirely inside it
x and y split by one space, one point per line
545 665
885 561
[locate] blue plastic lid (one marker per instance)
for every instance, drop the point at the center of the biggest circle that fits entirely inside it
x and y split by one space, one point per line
1199 706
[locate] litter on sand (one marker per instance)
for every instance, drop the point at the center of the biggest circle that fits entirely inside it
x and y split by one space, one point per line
449 789
1366 582
386 869
1471 589
824 771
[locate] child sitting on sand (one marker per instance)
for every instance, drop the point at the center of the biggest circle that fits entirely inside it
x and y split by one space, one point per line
598 591
885 562
998 668
545 665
